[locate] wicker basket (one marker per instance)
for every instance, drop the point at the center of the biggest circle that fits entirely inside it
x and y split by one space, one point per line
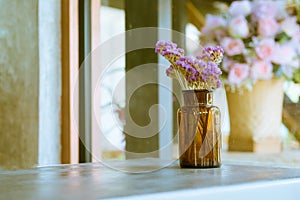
255 118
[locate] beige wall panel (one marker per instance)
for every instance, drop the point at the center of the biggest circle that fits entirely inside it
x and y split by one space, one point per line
18 83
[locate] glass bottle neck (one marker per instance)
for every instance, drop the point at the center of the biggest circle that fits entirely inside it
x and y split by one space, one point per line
195 97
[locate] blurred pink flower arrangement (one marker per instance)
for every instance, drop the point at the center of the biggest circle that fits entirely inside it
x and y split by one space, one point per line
260 39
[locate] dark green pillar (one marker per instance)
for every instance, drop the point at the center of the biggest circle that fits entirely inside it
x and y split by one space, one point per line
140 13
179 21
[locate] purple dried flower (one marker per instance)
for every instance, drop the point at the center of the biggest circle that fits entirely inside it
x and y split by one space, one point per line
214 54
219 83
208 49
180 50
204 57
170 72
199 64
164 45
219 48
169 50
192 78
181 63
211 71
192 73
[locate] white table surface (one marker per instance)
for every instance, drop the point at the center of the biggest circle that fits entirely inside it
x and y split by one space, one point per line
96 181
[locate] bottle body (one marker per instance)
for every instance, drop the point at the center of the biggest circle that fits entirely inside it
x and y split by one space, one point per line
199 131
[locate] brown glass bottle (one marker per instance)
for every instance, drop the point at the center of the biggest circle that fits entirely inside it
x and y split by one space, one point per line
199 130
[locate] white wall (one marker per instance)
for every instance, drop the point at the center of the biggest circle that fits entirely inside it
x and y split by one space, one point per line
50 81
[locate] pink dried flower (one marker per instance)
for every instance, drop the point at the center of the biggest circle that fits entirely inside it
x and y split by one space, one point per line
265 48
240 8
285 54
238 72
256 36
265 9
213 23
290 26
232 46
267 27
261 69
238 27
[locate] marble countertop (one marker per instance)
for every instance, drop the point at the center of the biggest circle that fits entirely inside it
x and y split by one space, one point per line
149 179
